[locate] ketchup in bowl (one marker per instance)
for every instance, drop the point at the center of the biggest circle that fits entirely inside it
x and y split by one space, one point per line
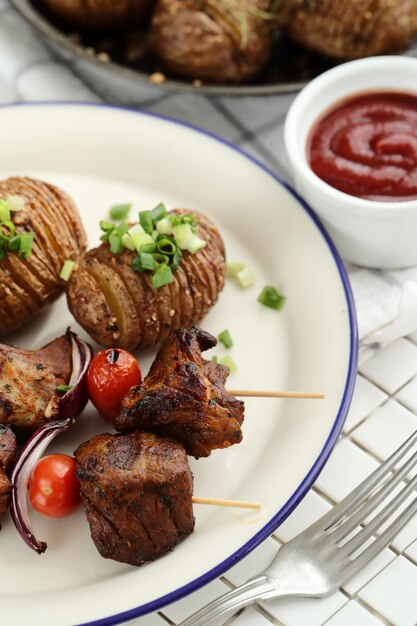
367 147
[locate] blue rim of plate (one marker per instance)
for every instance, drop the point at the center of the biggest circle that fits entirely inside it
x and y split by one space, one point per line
318 465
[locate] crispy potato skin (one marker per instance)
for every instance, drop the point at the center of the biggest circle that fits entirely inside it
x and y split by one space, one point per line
350 29
119 307
99 15
200 40
27 285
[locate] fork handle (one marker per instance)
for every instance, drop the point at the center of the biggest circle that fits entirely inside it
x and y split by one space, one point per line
259 588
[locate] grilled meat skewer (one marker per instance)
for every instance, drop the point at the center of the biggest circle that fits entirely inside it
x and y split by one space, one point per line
183 397
7 454
137 491
28 380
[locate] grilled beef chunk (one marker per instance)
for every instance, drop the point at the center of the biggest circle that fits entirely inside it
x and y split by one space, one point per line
137 491
7 454
183 397
28 380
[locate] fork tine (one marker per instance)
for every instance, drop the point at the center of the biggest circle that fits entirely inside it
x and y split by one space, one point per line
381 542
370 505
370 529
351 501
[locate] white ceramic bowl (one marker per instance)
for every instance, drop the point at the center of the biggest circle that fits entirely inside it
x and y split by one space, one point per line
366 232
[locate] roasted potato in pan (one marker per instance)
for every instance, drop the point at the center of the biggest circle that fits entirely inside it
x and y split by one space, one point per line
350 29
206 40
28 284
99 15
118 306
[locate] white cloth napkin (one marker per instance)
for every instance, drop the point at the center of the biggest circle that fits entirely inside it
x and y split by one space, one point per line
386 302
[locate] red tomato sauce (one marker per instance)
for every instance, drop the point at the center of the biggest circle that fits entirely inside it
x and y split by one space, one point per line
367 147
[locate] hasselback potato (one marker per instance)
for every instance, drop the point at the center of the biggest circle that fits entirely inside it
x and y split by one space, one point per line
99 15
119 307
28 284
350 29
211 40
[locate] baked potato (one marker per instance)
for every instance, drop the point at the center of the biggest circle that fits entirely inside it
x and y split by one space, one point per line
350 29
28 284
99 15
119 307
205 39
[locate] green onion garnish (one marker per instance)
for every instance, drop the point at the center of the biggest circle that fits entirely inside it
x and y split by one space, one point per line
119 212
10 226
159 212
270 297
245 278
214 359
4 211
166 246
229 362
67 270
145 220
64 388
225 339
147 261
233 267
25 244
162 276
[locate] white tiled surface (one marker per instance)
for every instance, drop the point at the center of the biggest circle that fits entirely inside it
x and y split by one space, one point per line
384 408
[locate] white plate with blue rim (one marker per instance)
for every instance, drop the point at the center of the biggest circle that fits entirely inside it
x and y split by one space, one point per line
104 156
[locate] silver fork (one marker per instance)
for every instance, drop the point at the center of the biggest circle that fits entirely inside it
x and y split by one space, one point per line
322 558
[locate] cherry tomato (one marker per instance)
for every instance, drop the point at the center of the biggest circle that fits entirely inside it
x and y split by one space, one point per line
53 488
110 376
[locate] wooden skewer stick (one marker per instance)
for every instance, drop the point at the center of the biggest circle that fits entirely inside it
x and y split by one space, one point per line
252 393
238 504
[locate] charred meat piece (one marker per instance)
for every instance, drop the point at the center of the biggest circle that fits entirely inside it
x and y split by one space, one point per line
183 397
220 41
137 492
350 29
28 380
7 454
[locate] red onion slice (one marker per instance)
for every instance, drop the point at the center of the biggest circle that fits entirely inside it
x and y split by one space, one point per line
63 411
26 461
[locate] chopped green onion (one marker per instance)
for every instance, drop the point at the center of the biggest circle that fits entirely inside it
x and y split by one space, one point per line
214 359
25 244
119 212
136 229
2 253
145 219
245 278
140 240
67 270
158 212
16 203
115 241
161 258
164 226
176 259
106 226
229 362
233 267
127 242
196 244
183 235
270 297
10 226
225 338
147 261
148 247
64 388
166 246
162 276
4 211
13 243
